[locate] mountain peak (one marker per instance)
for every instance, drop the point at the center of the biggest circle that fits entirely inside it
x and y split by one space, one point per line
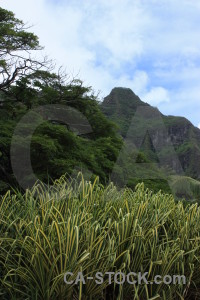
121 104
123 97
121 90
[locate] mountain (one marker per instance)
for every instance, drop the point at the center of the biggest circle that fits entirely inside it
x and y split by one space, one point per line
120 106
170 143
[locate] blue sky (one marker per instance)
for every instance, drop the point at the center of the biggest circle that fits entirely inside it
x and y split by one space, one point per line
150 46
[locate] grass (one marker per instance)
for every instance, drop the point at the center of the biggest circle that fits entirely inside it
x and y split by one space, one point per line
82 226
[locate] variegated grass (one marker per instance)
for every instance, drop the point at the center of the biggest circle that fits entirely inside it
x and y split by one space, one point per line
82 226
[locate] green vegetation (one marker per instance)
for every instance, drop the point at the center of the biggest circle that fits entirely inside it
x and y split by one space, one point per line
88 224
57 147
155 185
80 226
185 187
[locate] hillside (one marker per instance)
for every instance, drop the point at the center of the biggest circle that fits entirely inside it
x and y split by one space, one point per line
170 144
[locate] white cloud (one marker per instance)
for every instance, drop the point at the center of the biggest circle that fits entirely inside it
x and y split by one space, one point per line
140 82
156 96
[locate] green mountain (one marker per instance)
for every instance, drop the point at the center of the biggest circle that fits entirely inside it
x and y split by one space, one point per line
165 145
120 106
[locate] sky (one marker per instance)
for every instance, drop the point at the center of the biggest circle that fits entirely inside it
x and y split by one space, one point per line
150 46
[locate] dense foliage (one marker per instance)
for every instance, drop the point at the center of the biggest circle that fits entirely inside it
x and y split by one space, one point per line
84 227
56 147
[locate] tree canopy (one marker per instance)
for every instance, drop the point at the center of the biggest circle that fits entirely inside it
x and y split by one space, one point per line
25 85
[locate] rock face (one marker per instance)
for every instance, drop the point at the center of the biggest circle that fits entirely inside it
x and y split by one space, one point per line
173 141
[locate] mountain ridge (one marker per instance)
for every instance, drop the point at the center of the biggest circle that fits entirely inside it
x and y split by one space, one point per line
122 106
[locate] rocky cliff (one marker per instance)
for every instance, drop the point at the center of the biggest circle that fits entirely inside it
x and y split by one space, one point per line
171 141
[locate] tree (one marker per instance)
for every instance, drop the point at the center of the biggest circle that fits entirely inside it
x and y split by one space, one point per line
16 47
57 146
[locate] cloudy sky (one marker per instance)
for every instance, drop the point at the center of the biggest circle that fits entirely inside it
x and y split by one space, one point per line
150 46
